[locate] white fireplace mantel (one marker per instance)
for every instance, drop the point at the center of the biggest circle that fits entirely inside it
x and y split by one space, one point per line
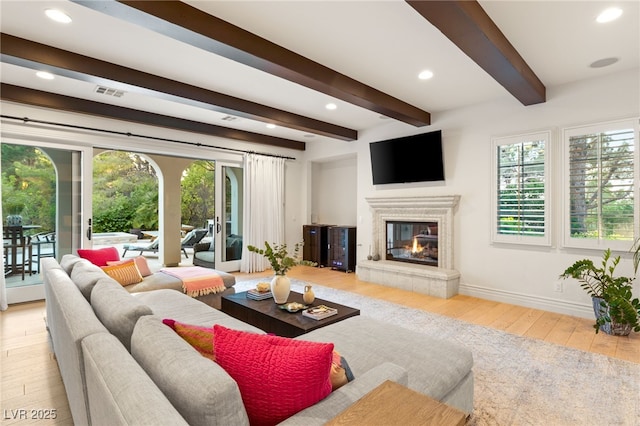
437 208
441 281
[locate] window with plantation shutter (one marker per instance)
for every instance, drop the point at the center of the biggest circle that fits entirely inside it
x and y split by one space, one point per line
601 185
520 190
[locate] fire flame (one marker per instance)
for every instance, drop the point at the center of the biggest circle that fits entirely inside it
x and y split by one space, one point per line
416 247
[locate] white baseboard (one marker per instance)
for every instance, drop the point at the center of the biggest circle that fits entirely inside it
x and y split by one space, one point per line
25 293
581 310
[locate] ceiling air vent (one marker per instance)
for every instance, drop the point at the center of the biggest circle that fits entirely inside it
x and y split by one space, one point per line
229 118
103 90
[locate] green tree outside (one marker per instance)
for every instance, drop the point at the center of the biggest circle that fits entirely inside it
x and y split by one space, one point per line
125 190
28 185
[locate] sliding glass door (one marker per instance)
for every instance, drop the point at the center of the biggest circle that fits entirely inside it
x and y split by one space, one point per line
42 187
229 222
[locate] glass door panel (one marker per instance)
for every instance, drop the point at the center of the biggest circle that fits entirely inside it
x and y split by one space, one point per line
43 184
229 197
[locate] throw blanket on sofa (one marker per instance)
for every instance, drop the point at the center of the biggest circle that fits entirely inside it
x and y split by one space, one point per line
196 280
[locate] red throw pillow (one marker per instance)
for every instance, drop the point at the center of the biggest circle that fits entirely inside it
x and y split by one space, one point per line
277 376
201 338
100 257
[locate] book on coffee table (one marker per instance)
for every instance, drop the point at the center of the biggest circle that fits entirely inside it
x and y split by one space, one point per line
319 312
258 295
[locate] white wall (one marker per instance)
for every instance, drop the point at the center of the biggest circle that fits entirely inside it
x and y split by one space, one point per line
334 191
515 274
521 275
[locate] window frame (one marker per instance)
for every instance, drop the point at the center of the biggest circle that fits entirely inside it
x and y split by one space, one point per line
598 243
497 142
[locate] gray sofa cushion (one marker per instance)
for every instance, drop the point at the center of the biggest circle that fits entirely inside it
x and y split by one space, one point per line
180 307
199 388
117 309
119 391
436 367
85 274
68 262
342 398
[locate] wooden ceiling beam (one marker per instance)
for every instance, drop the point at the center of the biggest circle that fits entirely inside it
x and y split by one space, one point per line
469 27
39 98
190 25
24 52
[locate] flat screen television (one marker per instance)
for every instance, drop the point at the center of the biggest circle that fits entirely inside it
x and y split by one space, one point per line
416 158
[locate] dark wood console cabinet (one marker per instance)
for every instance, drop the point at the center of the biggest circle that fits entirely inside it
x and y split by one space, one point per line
316 244
342 248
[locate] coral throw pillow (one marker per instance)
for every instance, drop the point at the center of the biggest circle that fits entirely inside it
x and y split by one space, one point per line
340 371
100 257
125 273
277 376
201 338
140 261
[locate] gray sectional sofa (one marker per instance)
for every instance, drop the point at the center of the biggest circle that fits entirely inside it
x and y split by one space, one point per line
121 365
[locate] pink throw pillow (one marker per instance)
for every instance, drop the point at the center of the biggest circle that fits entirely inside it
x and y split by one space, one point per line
277 376
140 261
100 257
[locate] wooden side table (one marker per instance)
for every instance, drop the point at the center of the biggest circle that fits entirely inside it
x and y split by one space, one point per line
391 403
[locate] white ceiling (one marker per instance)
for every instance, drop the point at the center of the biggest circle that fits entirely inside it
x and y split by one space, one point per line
383 44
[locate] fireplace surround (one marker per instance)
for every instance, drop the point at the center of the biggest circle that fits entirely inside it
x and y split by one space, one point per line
437 277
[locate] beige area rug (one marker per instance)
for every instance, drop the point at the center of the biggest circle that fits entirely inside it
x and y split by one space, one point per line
518 380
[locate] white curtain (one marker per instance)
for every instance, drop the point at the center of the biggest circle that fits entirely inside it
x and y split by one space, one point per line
263 207
3 286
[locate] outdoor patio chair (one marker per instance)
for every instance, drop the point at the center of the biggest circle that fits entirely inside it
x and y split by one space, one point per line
44 244
188 241
152 247
191 239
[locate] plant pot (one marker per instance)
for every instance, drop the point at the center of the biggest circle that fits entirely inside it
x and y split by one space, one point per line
280 288
612 328
14 220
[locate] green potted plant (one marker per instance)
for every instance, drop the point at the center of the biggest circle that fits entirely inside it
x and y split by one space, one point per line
617 312
281 262
14 211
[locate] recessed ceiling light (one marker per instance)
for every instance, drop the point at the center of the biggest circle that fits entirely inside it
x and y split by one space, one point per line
425 75
609 15
331 106
58 16
271 126
45 75
601 63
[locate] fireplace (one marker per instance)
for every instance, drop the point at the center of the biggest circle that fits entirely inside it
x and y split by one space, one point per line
412 242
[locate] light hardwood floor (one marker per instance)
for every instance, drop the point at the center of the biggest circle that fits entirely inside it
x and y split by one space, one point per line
30 379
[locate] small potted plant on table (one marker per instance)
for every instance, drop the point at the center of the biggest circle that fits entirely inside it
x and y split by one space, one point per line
617 312
281 261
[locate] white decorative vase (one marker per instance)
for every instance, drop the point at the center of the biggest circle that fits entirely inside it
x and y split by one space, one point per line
280 288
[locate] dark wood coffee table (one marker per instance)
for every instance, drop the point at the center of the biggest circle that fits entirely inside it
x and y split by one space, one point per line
266 315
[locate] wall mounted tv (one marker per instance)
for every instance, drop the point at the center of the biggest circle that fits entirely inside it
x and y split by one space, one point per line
416 158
